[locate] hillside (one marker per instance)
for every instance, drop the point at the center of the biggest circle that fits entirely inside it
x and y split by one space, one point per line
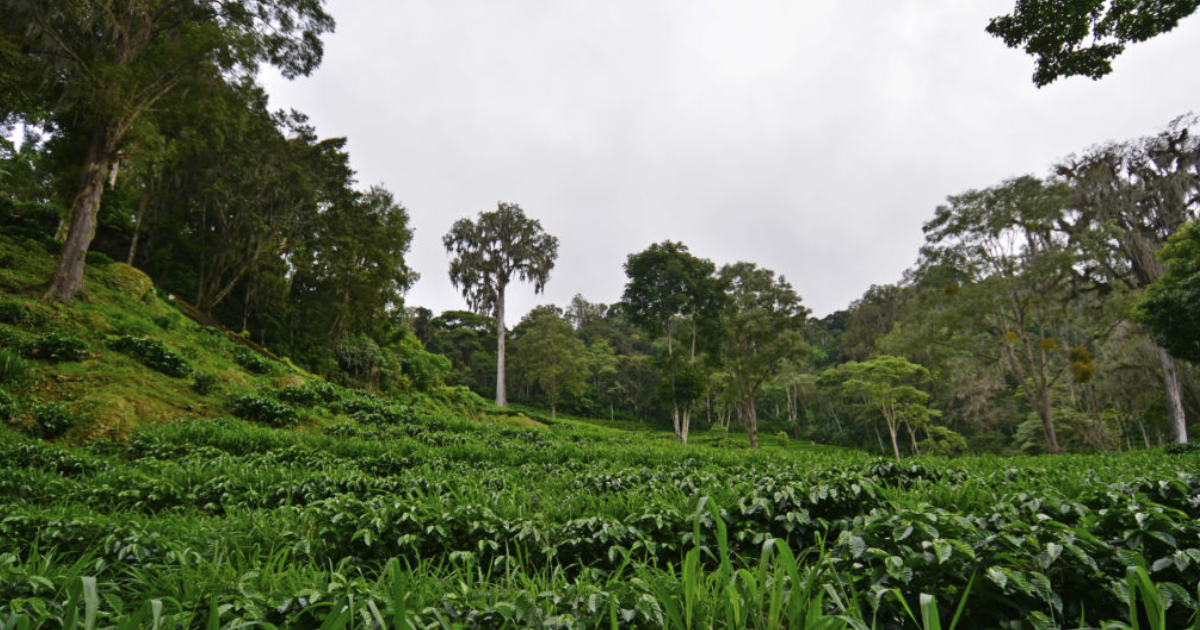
128 356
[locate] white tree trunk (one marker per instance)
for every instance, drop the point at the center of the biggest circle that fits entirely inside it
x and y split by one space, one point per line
1174 397
501 397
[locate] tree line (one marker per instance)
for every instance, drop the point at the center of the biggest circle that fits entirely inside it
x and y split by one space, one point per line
1043 315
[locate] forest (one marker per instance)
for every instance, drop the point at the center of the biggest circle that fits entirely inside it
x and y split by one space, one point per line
217 408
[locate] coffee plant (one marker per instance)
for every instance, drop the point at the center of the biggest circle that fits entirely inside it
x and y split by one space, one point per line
153 353
56 347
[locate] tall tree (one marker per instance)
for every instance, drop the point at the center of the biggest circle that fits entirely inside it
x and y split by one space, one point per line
1017 268
488 254
1145 190
668 286
763 325
98 69
1082 37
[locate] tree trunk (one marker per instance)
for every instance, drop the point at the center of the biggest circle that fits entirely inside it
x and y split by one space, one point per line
68 277
501 398
143 201
751 420
1174 397
893 430
1047 417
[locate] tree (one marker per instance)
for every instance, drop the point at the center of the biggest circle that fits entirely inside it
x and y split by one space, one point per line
98 69
1082 37
888 384
489 254
1144 190
1171 306
667 286
469 341
552 357
763 327
1015 271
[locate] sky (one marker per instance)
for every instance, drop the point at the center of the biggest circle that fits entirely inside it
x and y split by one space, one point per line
811 138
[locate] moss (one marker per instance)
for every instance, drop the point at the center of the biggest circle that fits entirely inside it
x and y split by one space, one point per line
130 281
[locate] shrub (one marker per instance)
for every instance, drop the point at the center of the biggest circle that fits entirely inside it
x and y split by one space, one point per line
56 347
22 316
153 353
97 259
348 430
1180 449
164 322
204 384
264 411
782 436
303 396
12 368
50 420
8 406
252 361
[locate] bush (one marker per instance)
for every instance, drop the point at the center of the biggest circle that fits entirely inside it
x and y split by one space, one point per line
264 411
153 353
204 384
252 361
164 322
56 347
12 368
8 406
303 396
782 436
1180 449
97 259
18 314
50 420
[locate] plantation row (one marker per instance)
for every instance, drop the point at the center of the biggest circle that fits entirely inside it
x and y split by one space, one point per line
172 513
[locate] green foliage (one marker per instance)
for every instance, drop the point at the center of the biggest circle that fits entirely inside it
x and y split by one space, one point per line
50 420
204 383
1082 38
153 353
1171 306
21 316
549 355
12 368
8 406
264 411
251 360
56 347
98 259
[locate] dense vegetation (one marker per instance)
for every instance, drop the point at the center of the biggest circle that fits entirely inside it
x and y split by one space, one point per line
326 457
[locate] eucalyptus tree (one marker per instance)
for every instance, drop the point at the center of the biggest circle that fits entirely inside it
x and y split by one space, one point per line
763 325
489 253
97 70
1081 38
1140 193
668 286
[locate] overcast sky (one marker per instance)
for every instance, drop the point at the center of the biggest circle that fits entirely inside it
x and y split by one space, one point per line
812 138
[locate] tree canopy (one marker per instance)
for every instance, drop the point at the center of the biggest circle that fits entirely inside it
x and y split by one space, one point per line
1082 37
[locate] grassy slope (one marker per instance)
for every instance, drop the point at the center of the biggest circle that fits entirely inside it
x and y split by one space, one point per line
110 393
